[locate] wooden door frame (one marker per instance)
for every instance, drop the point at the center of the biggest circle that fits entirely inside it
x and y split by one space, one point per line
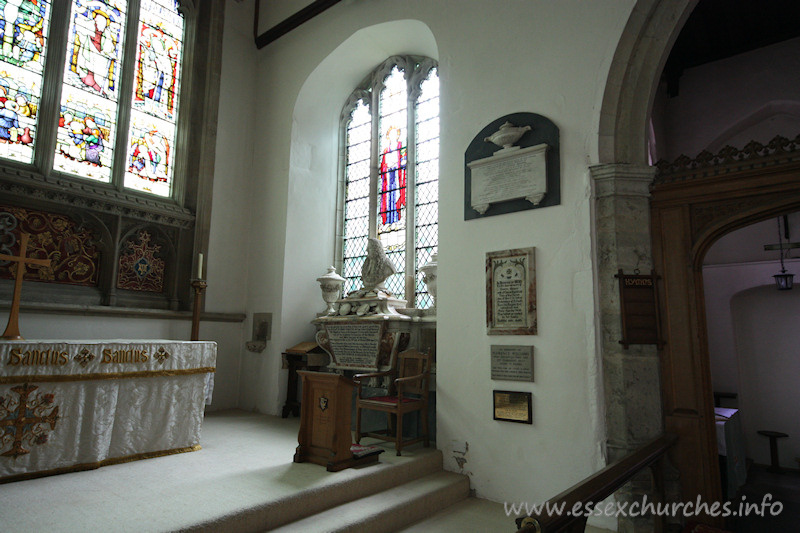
693 204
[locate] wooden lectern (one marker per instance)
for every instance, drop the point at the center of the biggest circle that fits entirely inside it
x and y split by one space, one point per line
325 411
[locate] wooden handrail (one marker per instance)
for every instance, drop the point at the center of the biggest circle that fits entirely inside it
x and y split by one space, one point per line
594 489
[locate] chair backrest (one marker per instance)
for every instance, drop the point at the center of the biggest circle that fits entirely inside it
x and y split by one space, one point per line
412 363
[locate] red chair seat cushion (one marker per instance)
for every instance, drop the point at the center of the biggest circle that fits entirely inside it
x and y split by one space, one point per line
389 399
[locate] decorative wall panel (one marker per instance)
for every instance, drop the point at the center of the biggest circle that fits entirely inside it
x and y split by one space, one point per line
141 267
71 248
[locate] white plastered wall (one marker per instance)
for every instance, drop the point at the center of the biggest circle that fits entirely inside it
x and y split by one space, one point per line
765 325
495 58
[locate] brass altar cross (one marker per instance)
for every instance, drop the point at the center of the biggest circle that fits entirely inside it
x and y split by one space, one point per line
12 329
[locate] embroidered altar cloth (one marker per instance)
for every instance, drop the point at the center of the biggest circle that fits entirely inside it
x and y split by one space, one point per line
76 405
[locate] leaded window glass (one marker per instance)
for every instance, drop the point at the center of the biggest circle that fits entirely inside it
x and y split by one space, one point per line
90 107
391 129
88 117
151 138
22 56
427 180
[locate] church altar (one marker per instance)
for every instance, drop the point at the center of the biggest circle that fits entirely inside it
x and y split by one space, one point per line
76 405
730 445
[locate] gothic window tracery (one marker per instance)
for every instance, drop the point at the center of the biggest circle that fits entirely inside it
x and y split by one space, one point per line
391 170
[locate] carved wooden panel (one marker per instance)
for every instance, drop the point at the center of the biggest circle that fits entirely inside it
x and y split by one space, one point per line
706 215
728 160
693 203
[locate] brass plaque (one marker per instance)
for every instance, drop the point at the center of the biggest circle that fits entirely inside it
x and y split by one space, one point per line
512 406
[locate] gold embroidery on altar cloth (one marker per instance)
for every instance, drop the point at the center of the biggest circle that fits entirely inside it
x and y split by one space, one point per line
84 357
162 355
23 419
6 380
124 356
49 357
92 466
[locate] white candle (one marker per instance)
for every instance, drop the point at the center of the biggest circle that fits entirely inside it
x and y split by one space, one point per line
199 266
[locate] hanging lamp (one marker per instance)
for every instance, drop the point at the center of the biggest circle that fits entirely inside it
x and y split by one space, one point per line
783 281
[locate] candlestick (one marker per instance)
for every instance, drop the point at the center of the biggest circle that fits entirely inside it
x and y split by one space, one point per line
199 286
200 266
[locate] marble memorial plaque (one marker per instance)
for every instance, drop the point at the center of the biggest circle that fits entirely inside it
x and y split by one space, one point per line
355 344
507 180
511 292
509 174
512 363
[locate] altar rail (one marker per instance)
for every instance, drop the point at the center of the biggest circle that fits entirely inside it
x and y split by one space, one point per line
595 489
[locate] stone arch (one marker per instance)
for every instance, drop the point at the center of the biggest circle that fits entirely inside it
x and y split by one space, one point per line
642 51
622 180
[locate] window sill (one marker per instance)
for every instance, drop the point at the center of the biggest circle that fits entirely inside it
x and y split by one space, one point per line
66 191
121 312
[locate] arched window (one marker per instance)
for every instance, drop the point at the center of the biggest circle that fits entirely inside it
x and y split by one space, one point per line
391 172
98 138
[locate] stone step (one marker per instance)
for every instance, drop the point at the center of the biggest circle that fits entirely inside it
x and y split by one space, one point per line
337 490
390 510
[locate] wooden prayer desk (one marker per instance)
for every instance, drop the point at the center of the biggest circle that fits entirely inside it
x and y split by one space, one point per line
77 405
304 356
325 437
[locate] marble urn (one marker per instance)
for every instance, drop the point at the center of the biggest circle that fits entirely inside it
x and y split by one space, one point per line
428 272
331 285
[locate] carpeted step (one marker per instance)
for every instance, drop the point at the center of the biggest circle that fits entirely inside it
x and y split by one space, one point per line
310 501
389 510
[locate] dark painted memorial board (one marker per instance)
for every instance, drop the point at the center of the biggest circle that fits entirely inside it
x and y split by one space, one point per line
539 152
639 309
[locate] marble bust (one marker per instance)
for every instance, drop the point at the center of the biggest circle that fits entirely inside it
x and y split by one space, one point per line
377 266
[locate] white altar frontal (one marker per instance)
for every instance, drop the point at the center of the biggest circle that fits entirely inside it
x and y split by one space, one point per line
77 405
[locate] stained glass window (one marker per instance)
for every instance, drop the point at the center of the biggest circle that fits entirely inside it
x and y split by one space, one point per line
88 116
24 27
91 109
151 139
393 174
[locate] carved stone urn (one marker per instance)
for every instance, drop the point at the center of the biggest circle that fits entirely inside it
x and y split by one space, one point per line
429 276
507 135
331 286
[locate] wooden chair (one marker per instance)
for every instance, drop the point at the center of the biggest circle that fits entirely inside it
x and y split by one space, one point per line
407 393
